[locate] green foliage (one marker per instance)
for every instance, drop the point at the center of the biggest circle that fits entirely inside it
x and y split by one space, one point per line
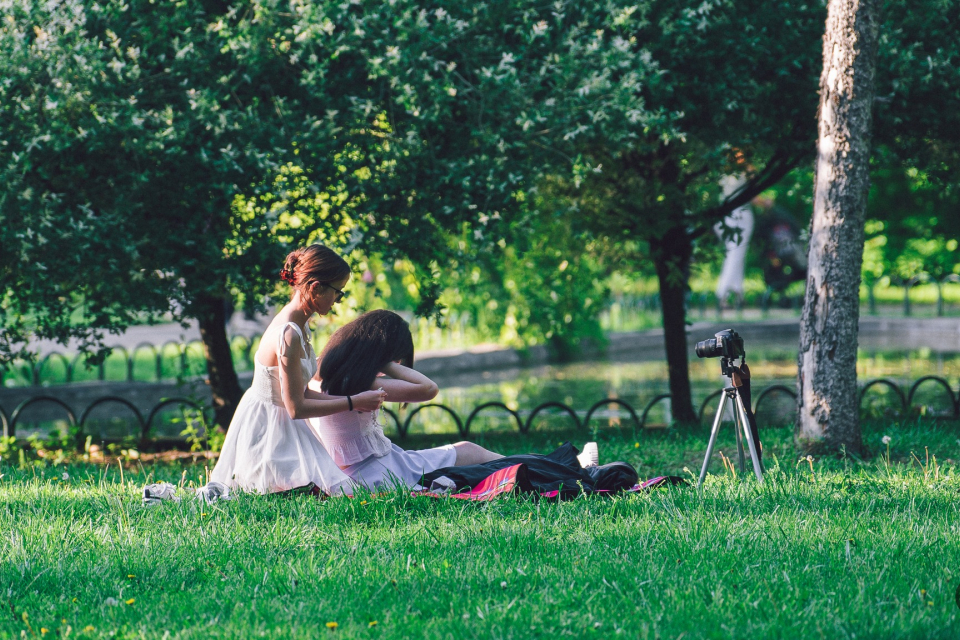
128 129
467 107
912 226
542 283
917 84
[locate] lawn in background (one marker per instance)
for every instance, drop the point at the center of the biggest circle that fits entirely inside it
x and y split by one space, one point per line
825 548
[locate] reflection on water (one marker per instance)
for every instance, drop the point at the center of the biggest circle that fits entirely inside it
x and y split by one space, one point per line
581 384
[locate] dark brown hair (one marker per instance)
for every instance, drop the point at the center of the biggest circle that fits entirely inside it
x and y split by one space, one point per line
315 263
359 350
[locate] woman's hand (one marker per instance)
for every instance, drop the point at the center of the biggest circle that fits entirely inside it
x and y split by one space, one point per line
368 400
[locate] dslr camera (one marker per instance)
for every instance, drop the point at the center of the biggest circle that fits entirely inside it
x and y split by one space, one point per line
724 344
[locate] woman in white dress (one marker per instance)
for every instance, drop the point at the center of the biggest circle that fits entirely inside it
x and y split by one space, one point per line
379 342
270 446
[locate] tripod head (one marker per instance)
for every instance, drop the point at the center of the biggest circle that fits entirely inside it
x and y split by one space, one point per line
727 367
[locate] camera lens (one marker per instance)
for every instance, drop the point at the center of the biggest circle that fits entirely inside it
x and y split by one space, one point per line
707 348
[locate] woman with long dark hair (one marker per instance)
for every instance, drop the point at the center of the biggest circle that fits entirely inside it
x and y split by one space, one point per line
270 446
379 342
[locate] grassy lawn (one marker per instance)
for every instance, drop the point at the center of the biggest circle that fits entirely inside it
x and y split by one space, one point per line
830 548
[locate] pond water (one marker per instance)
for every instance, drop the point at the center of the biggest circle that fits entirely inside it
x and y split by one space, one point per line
639 381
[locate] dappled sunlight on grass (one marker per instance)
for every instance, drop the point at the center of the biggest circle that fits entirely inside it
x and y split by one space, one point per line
860 547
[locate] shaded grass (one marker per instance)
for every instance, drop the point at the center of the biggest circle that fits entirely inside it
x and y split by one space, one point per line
849 548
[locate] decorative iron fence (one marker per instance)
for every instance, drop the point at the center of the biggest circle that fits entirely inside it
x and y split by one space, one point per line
873 390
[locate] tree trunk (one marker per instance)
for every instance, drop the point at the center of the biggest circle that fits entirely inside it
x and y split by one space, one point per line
828 415
222 377
672 257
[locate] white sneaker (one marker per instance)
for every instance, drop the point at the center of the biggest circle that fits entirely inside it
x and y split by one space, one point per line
590 456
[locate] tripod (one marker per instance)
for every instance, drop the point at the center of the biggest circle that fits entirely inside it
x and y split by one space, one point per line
741 419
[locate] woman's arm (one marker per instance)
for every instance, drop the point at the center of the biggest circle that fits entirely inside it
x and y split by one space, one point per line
302 404
406 384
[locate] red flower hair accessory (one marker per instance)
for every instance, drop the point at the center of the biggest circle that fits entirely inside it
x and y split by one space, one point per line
288 276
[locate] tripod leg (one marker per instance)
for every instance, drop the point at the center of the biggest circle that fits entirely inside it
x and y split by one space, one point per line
741 457
713 438
745 427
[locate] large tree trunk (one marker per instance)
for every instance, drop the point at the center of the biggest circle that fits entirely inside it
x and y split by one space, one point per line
671 255
224 385
828 401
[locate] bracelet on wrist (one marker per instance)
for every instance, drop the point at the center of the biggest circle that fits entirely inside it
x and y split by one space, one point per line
349 404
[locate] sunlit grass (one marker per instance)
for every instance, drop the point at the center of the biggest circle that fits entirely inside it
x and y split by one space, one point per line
825 548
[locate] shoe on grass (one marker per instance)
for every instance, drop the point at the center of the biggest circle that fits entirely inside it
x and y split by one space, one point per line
590 457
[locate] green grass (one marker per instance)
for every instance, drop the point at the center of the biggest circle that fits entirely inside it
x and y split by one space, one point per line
844 549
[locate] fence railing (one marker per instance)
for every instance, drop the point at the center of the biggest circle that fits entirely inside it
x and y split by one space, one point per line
904 402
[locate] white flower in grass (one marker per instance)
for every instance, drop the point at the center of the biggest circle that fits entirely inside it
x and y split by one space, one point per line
111 602
65 476
886 439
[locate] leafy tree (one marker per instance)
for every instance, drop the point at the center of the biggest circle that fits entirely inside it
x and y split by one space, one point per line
144 142
741 78
128 128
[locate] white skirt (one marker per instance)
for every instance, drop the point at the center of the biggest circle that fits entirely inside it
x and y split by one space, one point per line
267 451
400 468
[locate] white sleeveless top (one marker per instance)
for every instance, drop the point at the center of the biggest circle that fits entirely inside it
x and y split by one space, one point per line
266 380
352 436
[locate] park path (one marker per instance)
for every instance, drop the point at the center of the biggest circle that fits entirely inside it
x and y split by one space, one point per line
159 334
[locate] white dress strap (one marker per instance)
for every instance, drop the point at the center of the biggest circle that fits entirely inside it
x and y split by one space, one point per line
281 345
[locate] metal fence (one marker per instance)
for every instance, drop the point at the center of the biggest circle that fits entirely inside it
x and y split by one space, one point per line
883 389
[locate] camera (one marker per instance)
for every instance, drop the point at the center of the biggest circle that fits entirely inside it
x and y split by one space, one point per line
724 344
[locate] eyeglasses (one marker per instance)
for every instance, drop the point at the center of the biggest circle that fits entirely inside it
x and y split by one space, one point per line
340 294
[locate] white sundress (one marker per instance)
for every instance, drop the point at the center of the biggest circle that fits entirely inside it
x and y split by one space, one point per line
266 450
355 440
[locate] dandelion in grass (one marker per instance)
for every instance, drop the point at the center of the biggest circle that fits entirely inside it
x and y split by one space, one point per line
131 576
363 502
332 626
636 445
111 602
44 631
131 600
89 628
373 623
65 476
